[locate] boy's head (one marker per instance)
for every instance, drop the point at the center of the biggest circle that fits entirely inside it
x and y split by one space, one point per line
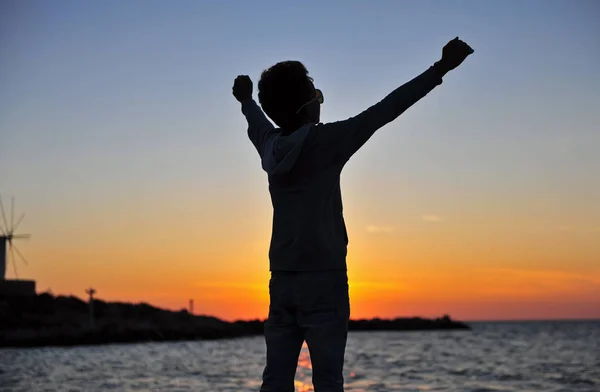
287 95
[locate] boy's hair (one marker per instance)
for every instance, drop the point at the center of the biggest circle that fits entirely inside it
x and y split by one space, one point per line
283 89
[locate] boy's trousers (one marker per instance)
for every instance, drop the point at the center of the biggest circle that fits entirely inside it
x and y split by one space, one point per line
313 307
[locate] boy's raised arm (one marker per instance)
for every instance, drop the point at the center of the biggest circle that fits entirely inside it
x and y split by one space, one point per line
343 138
259 126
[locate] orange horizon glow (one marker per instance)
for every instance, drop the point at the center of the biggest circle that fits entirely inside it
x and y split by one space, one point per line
122 142
421 283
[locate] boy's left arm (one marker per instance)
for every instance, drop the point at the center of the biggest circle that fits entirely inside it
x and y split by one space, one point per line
259 127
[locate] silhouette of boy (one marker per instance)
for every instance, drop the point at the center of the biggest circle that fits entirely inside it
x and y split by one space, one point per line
303 158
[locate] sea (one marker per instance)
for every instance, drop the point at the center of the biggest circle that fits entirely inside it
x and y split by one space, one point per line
492 357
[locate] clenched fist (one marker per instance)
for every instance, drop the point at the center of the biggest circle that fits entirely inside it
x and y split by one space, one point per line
242 88
453 54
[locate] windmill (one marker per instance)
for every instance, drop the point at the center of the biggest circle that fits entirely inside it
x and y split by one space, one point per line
7 235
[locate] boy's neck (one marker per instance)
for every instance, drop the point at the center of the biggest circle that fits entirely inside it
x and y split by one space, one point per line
295 126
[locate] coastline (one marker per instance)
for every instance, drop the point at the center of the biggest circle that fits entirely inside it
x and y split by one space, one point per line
45 320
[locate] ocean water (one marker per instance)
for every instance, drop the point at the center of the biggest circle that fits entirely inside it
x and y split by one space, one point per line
534 356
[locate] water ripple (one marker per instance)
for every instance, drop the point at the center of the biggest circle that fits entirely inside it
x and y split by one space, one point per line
494 357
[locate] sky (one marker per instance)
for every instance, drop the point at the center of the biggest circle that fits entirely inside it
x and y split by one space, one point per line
121 141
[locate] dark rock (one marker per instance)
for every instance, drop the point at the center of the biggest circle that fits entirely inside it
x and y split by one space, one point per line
48 320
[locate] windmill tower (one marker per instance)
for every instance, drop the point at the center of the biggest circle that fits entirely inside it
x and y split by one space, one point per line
7 236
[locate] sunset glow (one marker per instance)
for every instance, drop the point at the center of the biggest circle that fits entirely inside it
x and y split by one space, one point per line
125 148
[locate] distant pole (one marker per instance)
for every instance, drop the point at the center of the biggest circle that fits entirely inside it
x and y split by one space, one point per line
91 293
191 306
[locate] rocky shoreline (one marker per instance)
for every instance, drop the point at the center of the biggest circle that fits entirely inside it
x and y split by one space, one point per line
46 320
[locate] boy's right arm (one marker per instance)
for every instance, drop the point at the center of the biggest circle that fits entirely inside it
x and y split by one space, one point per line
343 138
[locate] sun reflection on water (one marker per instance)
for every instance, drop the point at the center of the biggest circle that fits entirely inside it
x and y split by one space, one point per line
304 371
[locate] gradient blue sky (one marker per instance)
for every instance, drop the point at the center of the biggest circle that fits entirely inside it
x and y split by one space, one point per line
117 116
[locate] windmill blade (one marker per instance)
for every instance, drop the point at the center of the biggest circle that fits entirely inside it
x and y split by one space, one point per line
19 253
4 215
12 214
21 236
12 254
16 226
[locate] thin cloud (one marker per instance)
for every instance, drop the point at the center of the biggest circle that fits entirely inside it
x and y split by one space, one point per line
373 285
569 228
431 218
548 276
229 285
380 229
